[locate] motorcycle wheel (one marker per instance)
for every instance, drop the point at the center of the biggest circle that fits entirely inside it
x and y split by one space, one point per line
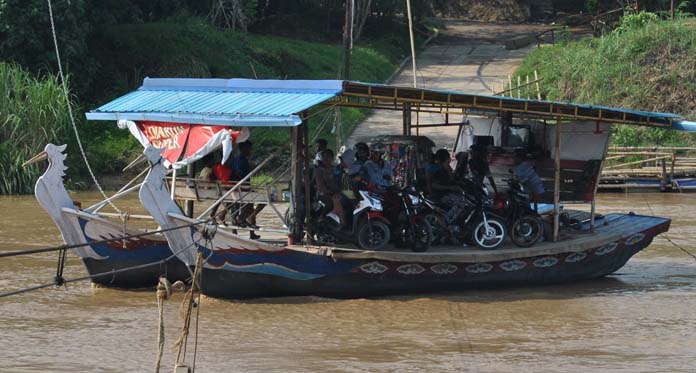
488 238
527 230
373 236
422 236
438 232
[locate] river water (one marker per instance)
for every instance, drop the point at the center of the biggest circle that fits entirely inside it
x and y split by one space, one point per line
642 318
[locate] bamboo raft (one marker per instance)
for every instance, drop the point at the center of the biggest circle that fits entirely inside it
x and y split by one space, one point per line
649 168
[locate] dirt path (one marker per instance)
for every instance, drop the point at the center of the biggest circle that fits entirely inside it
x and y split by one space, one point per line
467 56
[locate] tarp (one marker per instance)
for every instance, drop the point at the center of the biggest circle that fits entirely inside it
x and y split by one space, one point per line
184 143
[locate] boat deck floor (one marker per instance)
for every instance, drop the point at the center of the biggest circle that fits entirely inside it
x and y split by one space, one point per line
608 229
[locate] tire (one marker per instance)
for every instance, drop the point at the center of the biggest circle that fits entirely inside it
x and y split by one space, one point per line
527 230
373 235
438 233
422 236
492 239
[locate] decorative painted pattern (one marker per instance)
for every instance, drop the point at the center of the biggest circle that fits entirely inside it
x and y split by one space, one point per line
512 265
606 249
410 269
576 257
635 239
547 261
374 267
479 268
444 268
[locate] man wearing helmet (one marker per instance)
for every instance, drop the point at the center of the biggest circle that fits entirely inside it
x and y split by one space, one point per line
378 171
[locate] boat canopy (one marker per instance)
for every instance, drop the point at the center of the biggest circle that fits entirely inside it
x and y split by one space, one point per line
279 103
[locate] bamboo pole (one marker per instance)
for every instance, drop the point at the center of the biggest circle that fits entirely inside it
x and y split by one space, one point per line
527 87
557 182
519 83
510 85
536 79
612 167
413 48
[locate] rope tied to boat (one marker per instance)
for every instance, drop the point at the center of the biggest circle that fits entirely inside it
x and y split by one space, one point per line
164 292
666 236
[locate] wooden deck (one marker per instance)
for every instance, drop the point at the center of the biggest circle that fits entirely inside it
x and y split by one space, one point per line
610 228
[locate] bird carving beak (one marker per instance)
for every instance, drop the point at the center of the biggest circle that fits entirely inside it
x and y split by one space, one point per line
37 158
140 159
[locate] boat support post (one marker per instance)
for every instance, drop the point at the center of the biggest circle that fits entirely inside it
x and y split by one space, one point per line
296 176
406 119
188 210
306 180
557 181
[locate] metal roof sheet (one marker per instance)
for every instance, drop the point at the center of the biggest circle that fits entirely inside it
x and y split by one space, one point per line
251 102
236 102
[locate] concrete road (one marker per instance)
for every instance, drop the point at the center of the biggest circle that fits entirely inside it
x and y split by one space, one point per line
467 56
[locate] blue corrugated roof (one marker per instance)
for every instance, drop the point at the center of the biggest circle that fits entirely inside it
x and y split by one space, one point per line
235 102
250 102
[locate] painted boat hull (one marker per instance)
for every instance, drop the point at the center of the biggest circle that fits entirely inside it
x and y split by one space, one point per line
130 253
238 275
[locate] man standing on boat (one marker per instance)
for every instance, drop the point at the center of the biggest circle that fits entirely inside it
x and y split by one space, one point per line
241 167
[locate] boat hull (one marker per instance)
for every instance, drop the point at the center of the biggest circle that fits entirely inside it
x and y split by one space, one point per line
293 273
129 253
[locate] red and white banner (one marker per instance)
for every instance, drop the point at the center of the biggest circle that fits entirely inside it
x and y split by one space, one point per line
193 141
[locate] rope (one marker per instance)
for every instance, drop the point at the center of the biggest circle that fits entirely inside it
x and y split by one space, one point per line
164 292
112 272
62 247
70 112
666 237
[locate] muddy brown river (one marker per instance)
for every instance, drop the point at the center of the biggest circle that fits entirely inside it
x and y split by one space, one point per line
643 318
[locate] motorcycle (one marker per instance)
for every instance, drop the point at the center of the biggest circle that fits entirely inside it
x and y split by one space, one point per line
408 224
470 218
524 224
366 228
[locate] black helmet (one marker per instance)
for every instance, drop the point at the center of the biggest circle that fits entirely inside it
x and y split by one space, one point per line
442 155
378 147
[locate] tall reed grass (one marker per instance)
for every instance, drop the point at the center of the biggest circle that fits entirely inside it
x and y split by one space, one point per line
33 112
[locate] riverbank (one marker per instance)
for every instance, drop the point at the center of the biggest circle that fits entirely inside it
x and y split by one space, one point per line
646 63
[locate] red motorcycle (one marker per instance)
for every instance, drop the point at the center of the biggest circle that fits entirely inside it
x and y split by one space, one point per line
402 213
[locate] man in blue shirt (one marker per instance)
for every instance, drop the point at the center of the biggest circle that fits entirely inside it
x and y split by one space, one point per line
378 171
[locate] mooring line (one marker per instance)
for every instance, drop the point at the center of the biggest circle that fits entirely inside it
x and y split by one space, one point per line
74 246
58 281
666 237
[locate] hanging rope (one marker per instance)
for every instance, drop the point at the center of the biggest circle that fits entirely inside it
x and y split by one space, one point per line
164 292
666 237
70 112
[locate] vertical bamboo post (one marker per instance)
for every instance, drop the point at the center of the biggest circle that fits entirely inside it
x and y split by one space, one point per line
413 48
557 182
519 83
296 177
663 181
526 88
510 84
536 78
188 210
307 192
406 119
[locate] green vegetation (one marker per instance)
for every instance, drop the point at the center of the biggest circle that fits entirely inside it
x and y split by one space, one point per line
644 64
32 113
108 47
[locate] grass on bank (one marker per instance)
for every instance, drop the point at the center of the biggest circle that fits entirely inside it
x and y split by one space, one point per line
648 65
33 112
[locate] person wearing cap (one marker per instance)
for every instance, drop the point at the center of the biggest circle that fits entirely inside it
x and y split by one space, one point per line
478 165
377 170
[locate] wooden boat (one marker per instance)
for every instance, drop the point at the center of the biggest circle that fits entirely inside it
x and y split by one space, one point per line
86 227
237 267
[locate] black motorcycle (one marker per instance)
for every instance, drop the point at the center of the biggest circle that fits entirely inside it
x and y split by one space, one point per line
468 218
525 225
409 226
